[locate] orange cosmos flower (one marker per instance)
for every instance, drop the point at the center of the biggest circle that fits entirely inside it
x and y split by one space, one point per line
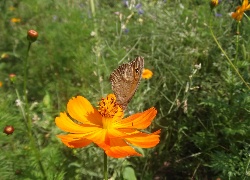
240 10
147 74
105 127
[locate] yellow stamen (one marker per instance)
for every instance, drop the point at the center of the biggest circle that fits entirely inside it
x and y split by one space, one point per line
108 106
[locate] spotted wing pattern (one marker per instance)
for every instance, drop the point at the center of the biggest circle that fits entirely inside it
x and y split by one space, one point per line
126 79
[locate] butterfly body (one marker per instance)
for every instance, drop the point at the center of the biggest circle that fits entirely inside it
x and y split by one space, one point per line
125 80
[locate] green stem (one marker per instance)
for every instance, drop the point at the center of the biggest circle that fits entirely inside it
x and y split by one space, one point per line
105 173
92 5
237 40
247 172
26 114
26 73
22 109
247 16
98 43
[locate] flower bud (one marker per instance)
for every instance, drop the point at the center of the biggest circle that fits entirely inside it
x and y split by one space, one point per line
5 56
8 130
32 35
12 77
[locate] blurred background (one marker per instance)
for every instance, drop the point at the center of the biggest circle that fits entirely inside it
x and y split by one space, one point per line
203 104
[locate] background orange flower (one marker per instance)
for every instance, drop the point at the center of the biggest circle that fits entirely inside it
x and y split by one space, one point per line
238 14
147 74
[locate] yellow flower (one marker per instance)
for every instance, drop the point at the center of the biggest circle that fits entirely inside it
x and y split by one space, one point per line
1 84
15 20
214 3
147 74
238 14
105 127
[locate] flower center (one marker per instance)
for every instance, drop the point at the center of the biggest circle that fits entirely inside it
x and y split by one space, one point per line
108 106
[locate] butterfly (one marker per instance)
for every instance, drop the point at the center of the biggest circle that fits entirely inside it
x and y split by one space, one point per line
125 80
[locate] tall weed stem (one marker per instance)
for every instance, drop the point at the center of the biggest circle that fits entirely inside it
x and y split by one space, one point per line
97 47
98 55
105 172
26 114
227 58
237 41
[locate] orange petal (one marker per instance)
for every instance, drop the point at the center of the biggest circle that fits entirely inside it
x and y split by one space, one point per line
66 124
245 3
119 149
116 133
122 132
73 142
139 120
80 109
99 138
248 7
144 140
237 16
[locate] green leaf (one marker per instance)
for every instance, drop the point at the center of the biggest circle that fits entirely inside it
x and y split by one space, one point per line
129 173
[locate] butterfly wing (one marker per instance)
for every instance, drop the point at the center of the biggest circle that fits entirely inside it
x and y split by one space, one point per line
126 79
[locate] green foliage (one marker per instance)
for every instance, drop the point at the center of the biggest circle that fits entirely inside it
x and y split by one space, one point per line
203 112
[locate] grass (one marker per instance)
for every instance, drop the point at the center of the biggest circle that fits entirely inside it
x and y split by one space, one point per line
203 113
